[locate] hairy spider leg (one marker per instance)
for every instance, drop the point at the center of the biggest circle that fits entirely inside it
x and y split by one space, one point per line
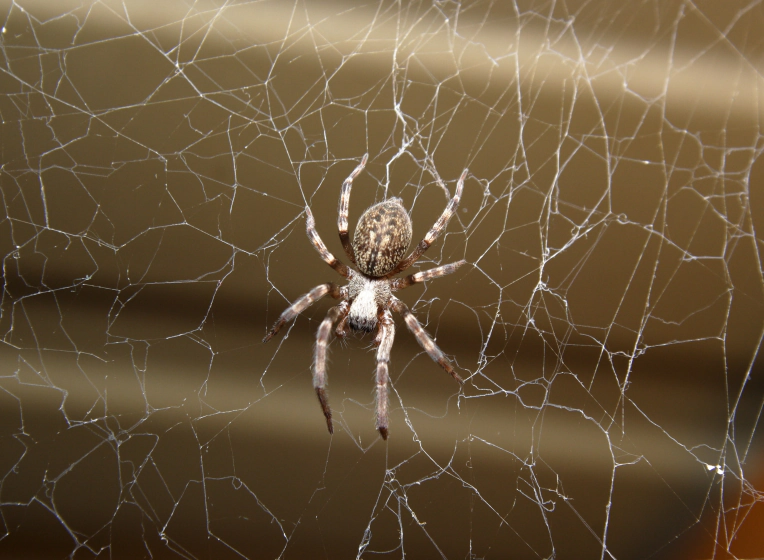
424 340
315 239
385 337
319 361
342 215
302 303
435 231
433 273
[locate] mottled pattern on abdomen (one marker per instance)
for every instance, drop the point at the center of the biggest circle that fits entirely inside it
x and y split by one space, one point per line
382 237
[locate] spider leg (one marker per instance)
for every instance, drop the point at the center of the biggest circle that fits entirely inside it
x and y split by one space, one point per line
318 243
386 336
319 361
302 303
435 231
401 283
342 219
424 340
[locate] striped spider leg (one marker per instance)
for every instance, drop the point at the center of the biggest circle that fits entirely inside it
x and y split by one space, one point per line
385 338
342 213
437 228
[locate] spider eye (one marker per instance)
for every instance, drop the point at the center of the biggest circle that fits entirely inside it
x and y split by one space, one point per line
381 238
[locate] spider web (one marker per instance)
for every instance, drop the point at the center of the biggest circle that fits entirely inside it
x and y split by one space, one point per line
156 162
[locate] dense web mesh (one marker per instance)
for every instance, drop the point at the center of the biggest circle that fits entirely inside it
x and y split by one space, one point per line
157 158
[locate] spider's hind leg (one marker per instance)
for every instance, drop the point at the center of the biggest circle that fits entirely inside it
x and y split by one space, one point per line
437 228
342 218
424 276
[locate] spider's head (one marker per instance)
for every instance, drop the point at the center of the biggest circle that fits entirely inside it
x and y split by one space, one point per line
367 296
382 237
363 311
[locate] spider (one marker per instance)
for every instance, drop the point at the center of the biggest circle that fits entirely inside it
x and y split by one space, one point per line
381 239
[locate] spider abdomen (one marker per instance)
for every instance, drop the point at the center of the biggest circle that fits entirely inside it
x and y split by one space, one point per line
381 238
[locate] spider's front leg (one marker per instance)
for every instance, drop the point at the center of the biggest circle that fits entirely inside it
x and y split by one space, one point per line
319 361
385 336
302 303
424 340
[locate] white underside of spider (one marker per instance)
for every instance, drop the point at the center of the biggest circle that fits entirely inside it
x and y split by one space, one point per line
381 238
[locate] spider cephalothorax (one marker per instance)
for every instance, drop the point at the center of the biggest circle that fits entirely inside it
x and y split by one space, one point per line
381 238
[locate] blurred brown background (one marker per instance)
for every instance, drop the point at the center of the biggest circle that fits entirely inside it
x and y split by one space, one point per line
156 162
